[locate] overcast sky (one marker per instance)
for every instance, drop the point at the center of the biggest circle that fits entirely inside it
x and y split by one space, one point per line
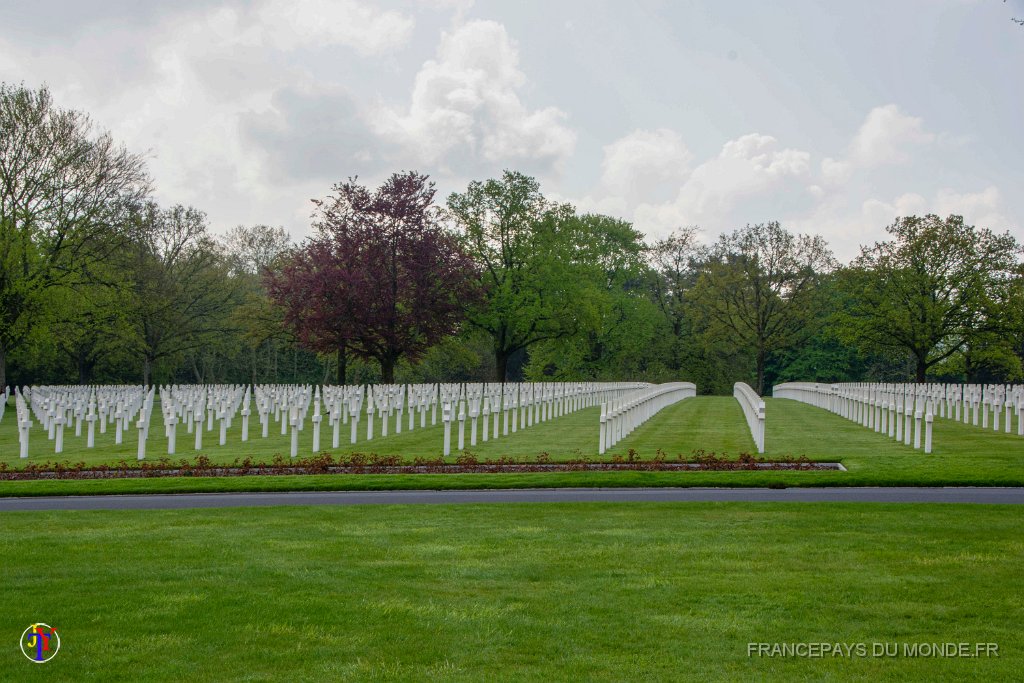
830 117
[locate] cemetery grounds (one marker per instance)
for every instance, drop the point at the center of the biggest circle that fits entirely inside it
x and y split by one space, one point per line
593 591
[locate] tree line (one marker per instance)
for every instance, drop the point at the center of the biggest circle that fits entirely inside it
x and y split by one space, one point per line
98 283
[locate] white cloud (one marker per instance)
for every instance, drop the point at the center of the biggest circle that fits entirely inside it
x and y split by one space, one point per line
292 24
748 167
186 85
251 107
983 208
458 6
881 213
466 103
847 226
643 160
883 138
834 171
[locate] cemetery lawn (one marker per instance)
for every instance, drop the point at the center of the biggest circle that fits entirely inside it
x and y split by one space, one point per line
963 455
541 592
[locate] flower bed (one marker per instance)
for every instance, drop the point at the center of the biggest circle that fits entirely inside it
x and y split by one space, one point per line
359 463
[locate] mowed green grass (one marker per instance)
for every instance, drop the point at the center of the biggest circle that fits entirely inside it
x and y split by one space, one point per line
963 455
570 436
544 592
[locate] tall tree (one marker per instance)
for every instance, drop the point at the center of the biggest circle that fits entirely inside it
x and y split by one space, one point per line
759 289
88 325
251 251
382 277
66 190
619 327
314 288
182 292
926 291
525 248
674 264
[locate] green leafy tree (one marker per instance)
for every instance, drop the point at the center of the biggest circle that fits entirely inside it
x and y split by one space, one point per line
675 264
930 290
251 252
828 355
181 287
758 290
66 191
89 326
525 248
621 330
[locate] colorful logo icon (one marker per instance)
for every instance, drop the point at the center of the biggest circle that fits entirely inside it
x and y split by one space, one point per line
40 643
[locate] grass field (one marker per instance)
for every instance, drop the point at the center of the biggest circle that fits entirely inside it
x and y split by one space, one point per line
963 455
547 592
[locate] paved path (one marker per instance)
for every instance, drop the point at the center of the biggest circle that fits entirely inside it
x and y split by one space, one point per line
608 495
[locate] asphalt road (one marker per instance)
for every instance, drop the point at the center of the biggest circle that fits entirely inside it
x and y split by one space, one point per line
1013 496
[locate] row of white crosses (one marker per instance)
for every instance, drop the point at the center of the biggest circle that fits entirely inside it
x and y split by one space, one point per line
289 405
980 405
145 418
753 411
904 412
628 408
492 409
197 406
58 407
24 419
521 405
977 403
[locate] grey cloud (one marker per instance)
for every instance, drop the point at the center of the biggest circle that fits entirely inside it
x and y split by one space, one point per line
316 136
56 20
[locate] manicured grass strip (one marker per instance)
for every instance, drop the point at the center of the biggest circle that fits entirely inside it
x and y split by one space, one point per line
964 456
713 424
597 592
798 429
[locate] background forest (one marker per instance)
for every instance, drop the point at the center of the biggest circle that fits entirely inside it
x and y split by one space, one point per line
99 284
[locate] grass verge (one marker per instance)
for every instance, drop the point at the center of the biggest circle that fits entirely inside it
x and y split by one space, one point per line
597 592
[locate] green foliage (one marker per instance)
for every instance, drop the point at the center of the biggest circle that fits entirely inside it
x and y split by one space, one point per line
182 292
830 356
65 190
622 334
528 252
932 291
99 285
758 290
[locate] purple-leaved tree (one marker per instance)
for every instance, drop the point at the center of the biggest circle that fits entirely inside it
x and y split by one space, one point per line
380 278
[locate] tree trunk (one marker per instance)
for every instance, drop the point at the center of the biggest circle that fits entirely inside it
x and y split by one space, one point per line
922 370
342 362
760 371
253 357
969 368
3 367
501 365
84 368
387 370
147 370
